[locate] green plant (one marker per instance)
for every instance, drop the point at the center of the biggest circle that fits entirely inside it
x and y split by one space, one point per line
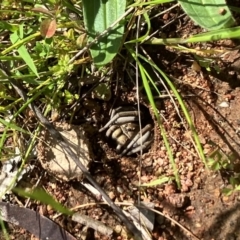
219 161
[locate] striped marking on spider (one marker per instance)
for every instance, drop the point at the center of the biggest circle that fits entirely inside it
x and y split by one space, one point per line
124 129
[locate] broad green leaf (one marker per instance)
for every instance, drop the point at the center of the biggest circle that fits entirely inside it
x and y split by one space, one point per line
23 52
209 14
43 197
98 16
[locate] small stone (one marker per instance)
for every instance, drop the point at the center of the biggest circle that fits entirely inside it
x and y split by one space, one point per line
169 189
225 198
188 183
195 66
144 179
49 208
184 188
198 225
111 195
165 16
224 104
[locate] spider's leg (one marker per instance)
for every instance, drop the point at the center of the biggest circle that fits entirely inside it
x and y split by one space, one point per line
124 117
127 119
111 121
113 112
142 139
111 130
116 133
146 129
138 148
118 148
121 140
121 109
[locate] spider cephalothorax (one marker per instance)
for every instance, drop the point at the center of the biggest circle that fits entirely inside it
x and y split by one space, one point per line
123 127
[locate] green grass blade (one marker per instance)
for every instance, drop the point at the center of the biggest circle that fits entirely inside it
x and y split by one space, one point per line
37 92
43 197
141 39
98 16
184 109
146 78
20 42
203 37
154 2
13 126
4 229
23 52
159 181
211 14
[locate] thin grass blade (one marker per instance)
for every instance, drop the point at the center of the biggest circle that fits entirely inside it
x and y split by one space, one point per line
214 35
23 52
184 109
43 197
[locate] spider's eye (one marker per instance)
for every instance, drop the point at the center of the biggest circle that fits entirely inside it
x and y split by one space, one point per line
131 126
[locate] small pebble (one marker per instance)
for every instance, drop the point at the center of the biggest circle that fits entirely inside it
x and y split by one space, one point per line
224 104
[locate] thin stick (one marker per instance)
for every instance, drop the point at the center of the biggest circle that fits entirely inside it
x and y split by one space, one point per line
131 204
94 224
